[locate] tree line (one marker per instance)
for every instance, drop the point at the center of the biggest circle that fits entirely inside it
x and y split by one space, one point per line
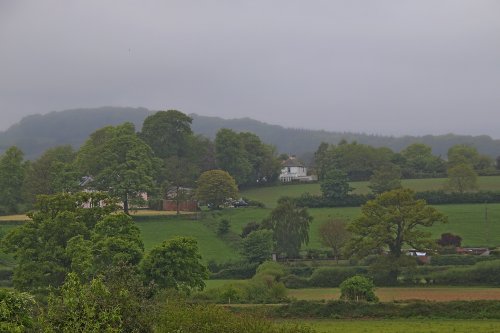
165 154
360 161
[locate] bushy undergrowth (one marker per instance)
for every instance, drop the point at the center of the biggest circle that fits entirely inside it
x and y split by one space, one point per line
482 273
439 197
409 309
264 287
198 318
232 270
459 260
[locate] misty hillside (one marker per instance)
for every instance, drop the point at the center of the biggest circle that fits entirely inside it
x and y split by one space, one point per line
36 133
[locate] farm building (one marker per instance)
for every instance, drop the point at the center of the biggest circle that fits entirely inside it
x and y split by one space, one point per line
185 202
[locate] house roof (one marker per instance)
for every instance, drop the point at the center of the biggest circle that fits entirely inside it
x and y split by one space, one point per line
292 162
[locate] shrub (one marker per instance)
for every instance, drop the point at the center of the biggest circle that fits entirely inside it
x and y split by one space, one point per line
389 310
233 270
459 260
302 271
449 239
249 228
223 227
16 311
295 282
271 268
482 273
358 288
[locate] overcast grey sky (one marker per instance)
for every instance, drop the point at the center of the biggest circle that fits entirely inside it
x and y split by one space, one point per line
375 66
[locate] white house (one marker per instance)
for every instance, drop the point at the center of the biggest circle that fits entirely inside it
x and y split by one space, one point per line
293 170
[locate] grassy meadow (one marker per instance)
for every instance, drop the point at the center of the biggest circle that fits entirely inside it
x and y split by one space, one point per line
270 195
403 326
466 220
211 247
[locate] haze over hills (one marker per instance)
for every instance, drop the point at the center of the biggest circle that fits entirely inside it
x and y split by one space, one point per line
35 133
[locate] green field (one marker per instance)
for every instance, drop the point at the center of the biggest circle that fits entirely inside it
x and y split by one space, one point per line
404 326
466 220
211 247
269 195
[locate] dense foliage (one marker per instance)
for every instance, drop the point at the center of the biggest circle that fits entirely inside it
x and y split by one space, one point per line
215 187
175 264
357 288
290 227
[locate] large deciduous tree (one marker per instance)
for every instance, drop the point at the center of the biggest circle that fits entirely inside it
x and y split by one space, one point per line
419 161
118 162
334 235
335 185
391 221
290 226
40 246
215 187
176 263
385 179
246 158
464 154
167 133
462 178
12 172
51 173
231 155
258 246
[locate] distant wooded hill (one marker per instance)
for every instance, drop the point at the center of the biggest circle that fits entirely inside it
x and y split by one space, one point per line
35 133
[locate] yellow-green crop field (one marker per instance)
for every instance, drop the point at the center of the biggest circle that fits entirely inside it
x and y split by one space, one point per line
404 326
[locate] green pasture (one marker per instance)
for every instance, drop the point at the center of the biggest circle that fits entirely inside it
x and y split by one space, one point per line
403 326
477 224
156 231
270 195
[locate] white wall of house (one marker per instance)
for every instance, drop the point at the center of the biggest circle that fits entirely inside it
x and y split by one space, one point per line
291 173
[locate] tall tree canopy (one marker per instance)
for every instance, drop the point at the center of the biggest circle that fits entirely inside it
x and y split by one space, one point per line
246 157
167 133
12 172
392 220
290 226
335 185
51 173
40 245
419 161
118 162
334 234
462 178
386 178
176 263
357 160
464 154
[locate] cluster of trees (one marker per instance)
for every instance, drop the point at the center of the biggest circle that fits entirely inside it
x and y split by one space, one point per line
165 154
88 263
392 221
283 233
361 162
